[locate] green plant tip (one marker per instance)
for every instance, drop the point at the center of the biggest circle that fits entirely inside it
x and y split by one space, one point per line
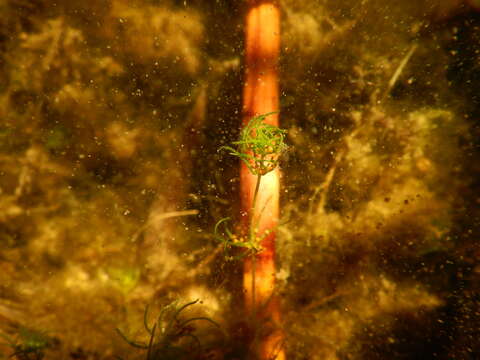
260 145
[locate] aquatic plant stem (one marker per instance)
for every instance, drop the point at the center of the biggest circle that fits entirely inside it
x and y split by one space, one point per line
254 203
253 238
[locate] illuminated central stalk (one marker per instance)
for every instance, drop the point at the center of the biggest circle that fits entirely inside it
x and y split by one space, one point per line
260 194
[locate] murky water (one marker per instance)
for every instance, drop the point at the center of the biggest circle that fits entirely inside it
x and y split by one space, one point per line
111 182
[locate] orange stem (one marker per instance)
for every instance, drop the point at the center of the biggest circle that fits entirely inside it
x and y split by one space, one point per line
260 96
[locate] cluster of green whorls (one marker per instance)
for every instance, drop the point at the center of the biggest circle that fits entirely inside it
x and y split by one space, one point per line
260 145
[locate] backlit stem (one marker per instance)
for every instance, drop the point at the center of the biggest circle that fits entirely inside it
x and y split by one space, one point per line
260 200
253 239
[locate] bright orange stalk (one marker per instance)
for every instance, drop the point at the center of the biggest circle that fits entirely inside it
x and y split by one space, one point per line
260 96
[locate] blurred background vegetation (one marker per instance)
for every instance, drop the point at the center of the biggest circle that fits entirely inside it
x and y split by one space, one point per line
111 114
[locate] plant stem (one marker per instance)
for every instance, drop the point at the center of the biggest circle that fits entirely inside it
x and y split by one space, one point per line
253 239
254 203
254 267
